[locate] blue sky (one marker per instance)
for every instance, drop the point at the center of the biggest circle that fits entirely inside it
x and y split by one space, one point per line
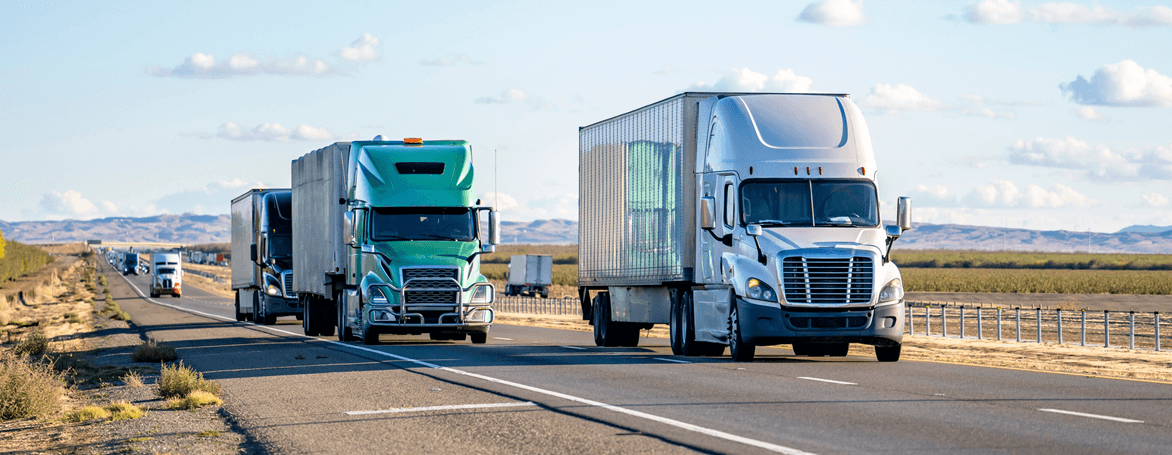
1040 115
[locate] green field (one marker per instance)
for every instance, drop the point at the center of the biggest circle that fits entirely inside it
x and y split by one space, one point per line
1037 281
1015 260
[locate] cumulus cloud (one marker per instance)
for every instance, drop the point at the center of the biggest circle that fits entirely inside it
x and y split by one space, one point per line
1003 193
1013 12
273 132
69 203
1089 113
500 201
364 49
205 66
210 199
564 206
1154 200
1097 160
835 13
746 80
516 95
894 99
1121 84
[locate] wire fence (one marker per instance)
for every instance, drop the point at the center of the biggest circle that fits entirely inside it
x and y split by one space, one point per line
1040 325
532 305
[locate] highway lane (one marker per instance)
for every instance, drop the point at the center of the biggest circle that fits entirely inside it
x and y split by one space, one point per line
781 402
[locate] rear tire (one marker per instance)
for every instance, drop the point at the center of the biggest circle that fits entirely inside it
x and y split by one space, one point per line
738 349
888 353
478 338
609 333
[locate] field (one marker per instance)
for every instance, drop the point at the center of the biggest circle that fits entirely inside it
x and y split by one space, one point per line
1037 281
1014 260
20 260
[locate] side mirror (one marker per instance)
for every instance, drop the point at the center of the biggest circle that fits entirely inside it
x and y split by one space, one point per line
893 231
494 227
753 230
707 213
252 252
904 210
487 248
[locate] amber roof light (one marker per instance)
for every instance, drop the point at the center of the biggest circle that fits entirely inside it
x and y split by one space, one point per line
413 140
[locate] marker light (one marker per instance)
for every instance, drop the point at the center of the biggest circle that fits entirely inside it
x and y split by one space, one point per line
413 140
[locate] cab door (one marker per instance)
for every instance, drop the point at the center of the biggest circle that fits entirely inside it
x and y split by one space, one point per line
711 304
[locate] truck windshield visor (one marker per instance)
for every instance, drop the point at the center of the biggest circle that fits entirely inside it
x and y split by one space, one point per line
810 203
422 223
280 247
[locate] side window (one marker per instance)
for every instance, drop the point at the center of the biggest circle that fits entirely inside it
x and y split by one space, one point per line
730 205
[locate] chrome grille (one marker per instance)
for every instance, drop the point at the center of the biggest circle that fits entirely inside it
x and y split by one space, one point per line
828 280
431 285
430 272
287 280
431 297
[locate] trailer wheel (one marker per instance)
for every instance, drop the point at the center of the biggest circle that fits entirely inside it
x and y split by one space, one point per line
888 353
478 338
738 349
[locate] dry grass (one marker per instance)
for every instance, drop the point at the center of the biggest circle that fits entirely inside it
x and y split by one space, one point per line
28 388
35 344
194 400
154 352
124 411
179 380
87 414
133 380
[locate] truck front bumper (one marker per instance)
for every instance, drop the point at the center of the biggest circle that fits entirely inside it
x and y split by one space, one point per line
280 306
766 323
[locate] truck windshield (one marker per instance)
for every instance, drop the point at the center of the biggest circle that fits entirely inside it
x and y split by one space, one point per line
165 271
421 223
280 247
810 203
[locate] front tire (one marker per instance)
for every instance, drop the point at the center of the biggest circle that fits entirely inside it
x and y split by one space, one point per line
737 348
370 336
240 317
478 338
344 331
888 353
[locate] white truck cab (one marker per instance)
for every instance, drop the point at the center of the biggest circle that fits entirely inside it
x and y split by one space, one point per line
166 274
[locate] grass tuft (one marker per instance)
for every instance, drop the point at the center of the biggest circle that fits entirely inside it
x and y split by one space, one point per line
36 344
179 380
195 400
132 379
124 411
27 388
152 351
87 414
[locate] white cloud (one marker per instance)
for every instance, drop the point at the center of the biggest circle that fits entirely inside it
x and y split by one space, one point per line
1003 193
996 12
746 80
500 201
1154 199
273 132
211 199
1013 12
1089 113
364 49
206 66
69 203
507 96
1098 161
564 206
1121 84
108 207
894 99
835 13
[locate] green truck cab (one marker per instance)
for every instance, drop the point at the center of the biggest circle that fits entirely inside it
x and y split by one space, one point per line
390 235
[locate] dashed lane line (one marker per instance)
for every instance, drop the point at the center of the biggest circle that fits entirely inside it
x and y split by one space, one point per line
1093 416
670 360
827 380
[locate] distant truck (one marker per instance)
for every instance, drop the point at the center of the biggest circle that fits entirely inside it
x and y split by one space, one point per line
130 263
387 238
262 225
166 274
530 275
196 257
738 219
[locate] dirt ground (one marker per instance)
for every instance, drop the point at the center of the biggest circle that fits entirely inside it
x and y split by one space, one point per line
1089 361
1112 302
105 344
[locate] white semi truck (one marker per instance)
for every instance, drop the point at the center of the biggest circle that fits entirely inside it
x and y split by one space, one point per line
262 252
166 274
530 275
739 219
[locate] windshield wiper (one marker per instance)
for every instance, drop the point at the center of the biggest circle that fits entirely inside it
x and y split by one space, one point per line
767 223
440 237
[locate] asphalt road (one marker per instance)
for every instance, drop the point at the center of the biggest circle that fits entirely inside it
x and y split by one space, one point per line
553 391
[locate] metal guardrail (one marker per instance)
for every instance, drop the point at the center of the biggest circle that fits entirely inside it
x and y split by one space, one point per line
1039 325
532 305
971 322
213 276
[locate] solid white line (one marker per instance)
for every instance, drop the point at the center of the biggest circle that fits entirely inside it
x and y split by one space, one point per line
441 408
499 338
1093 416
827 380
664 420
573 347
670 360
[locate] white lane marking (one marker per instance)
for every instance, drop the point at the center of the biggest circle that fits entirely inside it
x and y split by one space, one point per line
573 347
1093 416
670 360
827 380
654 418
499 338
441 408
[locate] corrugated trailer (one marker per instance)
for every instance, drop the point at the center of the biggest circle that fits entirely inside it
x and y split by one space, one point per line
319 183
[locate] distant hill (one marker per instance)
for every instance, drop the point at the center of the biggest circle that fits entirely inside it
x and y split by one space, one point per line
193 229
1145 228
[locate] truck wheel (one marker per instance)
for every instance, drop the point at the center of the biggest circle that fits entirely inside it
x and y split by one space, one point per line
325 320
685 335
370 336
154 295
264 317
888 353
478 338
240 317
738 349
309 324
801 349
257 312
606 332
837 349
344 332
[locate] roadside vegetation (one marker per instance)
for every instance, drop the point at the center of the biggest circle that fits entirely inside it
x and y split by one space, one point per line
20 260
953 259
1037 281
186 388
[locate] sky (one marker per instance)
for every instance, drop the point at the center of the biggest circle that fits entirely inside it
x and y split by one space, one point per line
1037 115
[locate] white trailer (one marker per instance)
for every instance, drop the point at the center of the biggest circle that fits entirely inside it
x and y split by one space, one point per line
166 274
530 275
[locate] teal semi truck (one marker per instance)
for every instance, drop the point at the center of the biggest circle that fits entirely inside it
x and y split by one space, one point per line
387 238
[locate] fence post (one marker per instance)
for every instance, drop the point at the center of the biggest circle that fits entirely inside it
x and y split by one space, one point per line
980 332
1131 338
1106 330
1058 314
1038 321
1157 316
928 320
1018 309
1084 328
962 322
944 321
911 321
998 323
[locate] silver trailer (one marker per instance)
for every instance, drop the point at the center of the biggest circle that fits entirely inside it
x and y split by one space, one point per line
697 210
262 270
530 275
319 221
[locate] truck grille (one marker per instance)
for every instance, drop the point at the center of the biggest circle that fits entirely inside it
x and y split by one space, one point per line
431 285
828 280
287 280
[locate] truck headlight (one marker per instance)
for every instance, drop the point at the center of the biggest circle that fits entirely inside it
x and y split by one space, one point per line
893 291
377 297
272 287
760 291
483 294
